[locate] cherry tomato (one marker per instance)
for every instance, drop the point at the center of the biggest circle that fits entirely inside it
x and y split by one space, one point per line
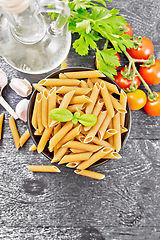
129 30
153 107
136 99
143 51
116 67
124 83
151 75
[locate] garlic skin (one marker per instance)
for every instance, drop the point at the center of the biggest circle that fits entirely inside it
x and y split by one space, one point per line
21 109
21 86
3 79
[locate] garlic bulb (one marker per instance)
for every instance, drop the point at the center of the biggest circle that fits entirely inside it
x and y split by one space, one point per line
21 86
21 109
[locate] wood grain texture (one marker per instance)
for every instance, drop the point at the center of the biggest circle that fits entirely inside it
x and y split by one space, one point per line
125 205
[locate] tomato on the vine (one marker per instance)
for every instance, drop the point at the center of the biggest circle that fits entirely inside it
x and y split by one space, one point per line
116 67
129 30
125 83
151 75
144 51
136 99
153 107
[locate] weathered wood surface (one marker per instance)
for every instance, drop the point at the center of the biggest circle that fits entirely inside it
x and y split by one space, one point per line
123 206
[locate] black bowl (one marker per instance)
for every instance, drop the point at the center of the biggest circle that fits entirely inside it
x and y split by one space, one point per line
36 138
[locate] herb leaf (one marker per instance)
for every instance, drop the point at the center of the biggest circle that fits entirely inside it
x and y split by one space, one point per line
88 120
61 114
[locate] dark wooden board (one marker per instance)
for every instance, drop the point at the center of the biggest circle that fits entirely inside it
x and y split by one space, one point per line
125 205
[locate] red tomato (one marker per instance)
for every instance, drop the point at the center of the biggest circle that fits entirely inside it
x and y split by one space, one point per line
136 99
144 51
153 107
151 75
124 83
116 67
129 30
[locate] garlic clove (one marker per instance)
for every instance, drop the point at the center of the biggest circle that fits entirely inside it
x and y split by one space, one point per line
21 86
21 109
3 79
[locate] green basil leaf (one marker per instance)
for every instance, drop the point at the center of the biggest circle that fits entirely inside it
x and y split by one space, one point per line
61 114
77 115
88 120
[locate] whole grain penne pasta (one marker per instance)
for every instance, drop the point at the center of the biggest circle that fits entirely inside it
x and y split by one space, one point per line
1 124
91 174
75 157
103 127
51 102
24 137
44 139
93 97
117 136
107 99
63 65
83 146
123 102
34 120
102 142
80 99
39 87
33 147
92 132
109 133
14 131
112 155
39 112
59 82
45 113
94 158
110 86
77 90
59 154
70 135
43 168
60 134
117 105
84 74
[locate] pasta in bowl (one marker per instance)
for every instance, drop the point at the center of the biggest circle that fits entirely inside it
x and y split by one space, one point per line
81 91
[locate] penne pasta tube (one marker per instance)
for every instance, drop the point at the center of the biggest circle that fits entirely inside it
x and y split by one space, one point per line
58 99
39 87
38 133
33 147
60 134
44 139
67 99
110 86
89 83
107 99
110 139
101 143
62 76
91 174
103 127
83 84
94 158
34 116
109 133
75 157
93 97
43 168
74 150
77 90
72 164
56 129
51 102
59 82
123 129
70 135
95 128
45 108
63 65
117 105
117 136
80 137
82 146
80 99
112 155
24 137
84 74
39 112
98 107
1 124
75 107
14 131
59 154
123 102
